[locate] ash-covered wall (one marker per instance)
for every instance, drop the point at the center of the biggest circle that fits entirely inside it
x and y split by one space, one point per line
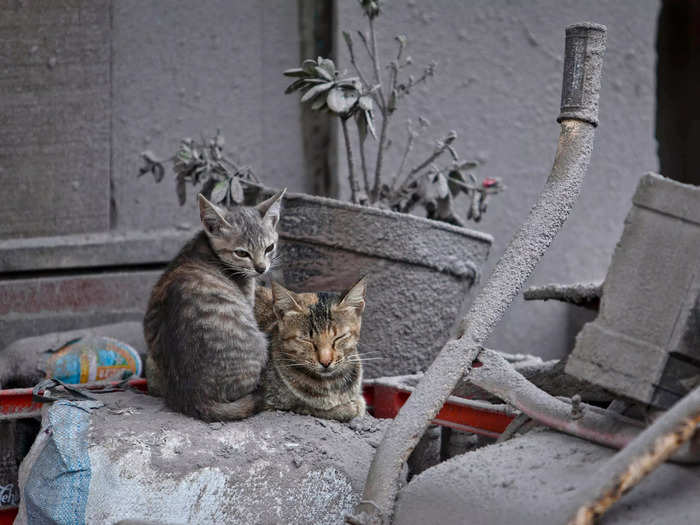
89 84
499 86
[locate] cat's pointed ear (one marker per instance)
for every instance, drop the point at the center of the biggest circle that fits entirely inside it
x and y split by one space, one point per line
284 301
270 209
212 216
354 297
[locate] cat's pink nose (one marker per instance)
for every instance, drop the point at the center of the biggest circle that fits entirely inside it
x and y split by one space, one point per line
325 358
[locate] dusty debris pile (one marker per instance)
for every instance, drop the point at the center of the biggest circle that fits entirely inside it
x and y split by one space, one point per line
134 459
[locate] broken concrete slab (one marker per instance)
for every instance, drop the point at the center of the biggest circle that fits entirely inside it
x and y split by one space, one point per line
586 295
533 480
649 312
148 463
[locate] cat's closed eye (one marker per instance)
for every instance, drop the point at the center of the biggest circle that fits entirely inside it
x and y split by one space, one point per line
242 254
341 339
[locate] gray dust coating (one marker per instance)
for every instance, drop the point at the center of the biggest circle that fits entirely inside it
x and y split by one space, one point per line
150 463
533 480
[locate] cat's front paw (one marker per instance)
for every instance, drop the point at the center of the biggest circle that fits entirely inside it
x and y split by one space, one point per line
359 407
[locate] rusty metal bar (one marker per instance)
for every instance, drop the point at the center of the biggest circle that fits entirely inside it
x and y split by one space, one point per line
19 403
469 415
585 45
628 467
601 426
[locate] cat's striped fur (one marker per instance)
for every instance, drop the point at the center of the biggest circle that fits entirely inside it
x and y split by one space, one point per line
314 366
205 350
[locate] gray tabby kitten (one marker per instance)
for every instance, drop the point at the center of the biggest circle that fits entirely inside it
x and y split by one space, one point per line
205 350
314 366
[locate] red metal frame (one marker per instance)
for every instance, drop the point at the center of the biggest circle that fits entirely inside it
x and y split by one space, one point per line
8 515
18 403
383 401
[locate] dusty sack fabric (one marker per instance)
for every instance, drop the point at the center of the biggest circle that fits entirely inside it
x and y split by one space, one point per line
134 459
54 478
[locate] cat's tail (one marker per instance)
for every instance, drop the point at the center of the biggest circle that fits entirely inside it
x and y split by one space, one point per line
239 409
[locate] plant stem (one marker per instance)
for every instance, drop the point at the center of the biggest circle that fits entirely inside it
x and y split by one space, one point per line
425 163
380 157
363 162
409 147
375 63
384 111
351 166
355 66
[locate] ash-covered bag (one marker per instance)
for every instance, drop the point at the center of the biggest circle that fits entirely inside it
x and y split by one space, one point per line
54 478
76 356
92 358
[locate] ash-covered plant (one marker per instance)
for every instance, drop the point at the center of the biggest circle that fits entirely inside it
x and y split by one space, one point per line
366 98
203 162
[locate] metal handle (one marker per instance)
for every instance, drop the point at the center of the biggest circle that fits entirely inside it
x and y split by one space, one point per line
583 63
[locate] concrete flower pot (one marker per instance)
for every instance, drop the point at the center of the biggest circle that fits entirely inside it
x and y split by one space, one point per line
420 272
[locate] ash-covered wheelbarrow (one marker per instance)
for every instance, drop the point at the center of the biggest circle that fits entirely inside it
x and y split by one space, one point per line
473 487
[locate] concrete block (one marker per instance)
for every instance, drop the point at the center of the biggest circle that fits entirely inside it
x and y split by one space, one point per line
648 312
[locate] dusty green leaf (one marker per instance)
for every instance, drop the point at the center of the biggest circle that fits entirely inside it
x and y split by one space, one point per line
366 103
328 65
219 192
369 116
453 177
317 90
236 191
318 104
149 156
295 72
298 83
323 73
341 100
441 188
308 66
158 171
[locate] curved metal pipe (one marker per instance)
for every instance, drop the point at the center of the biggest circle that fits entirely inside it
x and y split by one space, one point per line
497 376
585 45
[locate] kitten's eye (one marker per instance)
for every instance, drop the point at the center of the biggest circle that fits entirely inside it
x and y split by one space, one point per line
242 254
305 340
340 338
270 248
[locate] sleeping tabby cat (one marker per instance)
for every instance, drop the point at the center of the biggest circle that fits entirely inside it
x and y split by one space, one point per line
205 350
314 367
